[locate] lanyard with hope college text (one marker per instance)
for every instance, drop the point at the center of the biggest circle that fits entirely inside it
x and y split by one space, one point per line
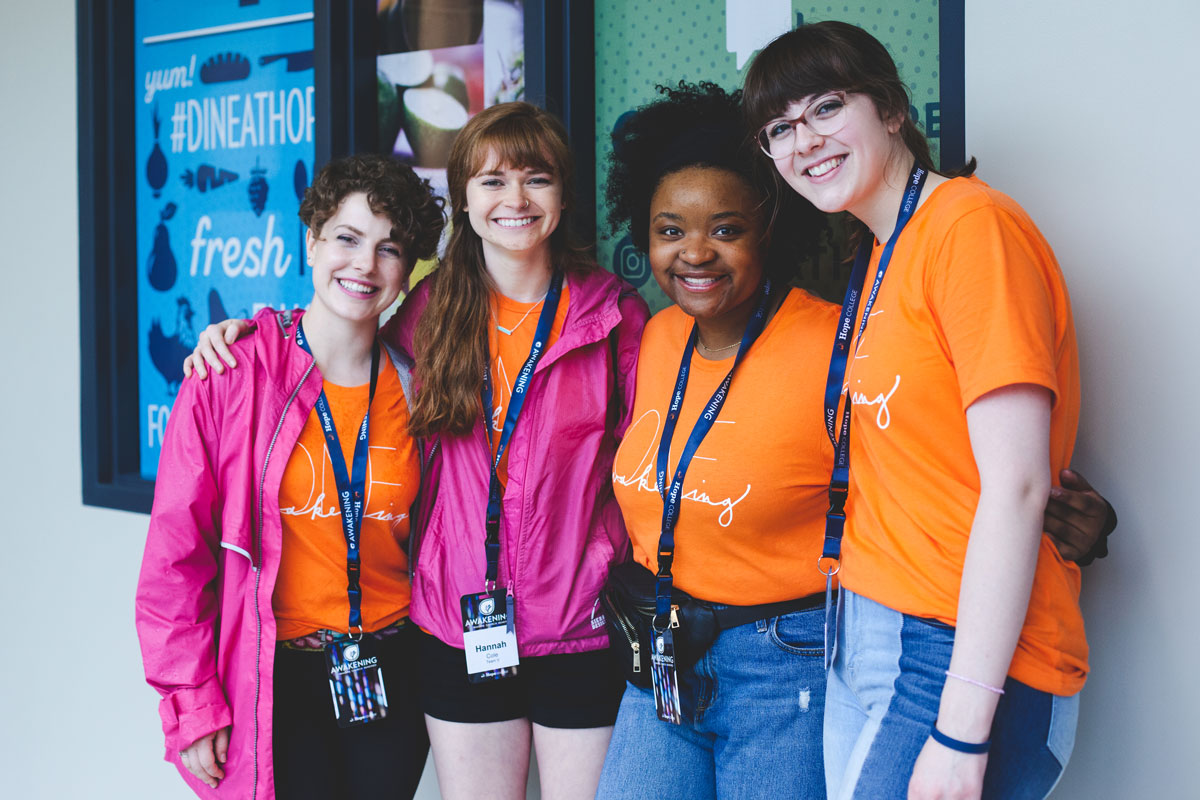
673 494
350 486
839 480
515 402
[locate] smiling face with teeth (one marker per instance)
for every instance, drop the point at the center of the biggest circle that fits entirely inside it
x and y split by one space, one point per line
514 209
358 270
854 169
707 249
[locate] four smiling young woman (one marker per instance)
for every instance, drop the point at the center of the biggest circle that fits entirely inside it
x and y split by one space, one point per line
525 356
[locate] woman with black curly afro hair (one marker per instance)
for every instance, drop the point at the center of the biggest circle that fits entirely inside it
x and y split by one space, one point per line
727 518
753 493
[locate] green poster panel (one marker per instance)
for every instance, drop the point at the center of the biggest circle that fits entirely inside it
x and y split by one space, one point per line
644 43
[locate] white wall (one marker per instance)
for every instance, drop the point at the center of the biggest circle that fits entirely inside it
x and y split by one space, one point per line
1087 113
1088 118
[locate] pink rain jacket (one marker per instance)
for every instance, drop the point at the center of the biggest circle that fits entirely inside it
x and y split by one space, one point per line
203 604
561 527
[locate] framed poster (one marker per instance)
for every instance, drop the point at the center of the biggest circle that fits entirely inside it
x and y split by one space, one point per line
223 131
199 126
641 43
197 137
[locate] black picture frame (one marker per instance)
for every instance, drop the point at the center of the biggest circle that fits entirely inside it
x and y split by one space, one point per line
108 258
559 76
109 427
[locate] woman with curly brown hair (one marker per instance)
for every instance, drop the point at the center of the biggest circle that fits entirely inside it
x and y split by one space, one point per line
275 571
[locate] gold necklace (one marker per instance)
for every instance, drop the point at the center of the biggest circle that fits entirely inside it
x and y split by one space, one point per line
510 331
716 349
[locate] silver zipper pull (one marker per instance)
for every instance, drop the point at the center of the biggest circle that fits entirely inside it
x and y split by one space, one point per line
637 653
674 618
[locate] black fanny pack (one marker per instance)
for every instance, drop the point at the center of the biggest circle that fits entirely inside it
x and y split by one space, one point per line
628 599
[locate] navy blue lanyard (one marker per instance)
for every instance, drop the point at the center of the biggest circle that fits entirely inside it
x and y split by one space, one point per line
515 402
350 487
839 481
673 495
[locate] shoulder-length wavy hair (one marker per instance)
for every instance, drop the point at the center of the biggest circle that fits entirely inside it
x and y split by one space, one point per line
830 56
450 339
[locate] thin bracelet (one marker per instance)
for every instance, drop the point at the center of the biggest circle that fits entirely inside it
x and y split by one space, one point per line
956 744
973 682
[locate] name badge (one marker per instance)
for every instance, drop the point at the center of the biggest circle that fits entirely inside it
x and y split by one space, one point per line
664 676
355 682
489 636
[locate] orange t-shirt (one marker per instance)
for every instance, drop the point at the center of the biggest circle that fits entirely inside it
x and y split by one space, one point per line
973 301
754 501
509 352
310 592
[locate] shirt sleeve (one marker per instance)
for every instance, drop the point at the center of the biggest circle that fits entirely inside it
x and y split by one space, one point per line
992 292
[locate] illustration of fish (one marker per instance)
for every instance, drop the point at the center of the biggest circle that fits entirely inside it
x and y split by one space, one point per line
296 62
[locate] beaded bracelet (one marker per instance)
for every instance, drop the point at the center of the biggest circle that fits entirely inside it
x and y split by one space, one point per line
973 682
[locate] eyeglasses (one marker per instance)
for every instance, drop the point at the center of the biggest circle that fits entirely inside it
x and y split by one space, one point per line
824 116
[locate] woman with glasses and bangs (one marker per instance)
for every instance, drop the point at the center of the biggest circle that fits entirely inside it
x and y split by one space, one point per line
960 648
750 525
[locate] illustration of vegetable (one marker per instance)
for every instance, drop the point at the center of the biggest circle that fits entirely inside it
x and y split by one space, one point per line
258 189
161 263
156 164
207 177
299 184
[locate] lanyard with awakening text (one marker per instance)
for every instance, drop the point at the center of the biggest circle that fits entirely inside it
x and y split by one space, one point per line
839 480
351 486
673 494
515 402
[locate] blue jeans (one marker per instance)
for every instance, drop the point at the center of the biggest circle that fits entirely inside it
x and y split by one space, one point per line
757 727
882 700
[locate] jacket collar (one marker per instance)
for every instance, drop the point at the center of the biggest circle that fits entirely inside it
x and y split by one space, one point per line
592 312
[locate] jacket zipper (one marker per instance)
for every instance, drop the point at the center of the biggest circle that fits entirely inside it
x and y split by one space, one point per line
258 567
487 446
630 636
417 521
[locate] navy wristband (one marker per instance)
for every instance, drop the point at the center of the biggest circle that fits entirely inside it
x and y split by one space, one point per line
960 746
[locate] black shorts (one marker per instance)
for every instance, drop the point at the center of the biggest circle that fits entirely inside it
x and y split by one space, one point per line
314 758
570 690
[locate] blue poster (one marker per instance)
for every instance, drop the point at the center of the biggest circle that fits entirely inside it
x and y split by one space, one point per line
224 151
